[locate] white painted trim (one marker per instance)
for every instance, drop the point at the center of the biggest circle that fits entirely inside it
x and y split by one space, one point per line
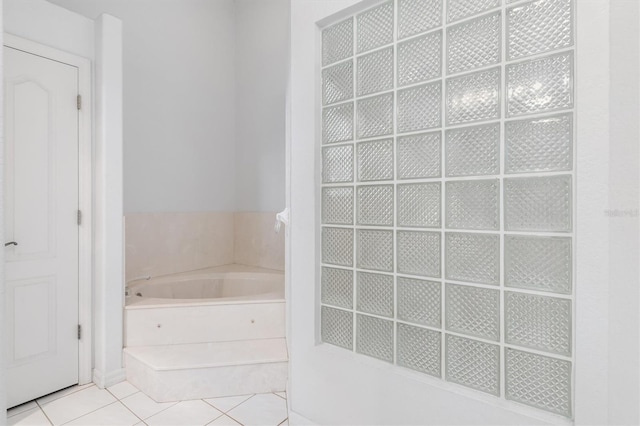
111 378
85 184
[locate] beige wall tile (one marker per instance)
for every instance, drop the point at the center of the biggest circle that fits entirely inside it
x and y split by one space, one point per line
256 243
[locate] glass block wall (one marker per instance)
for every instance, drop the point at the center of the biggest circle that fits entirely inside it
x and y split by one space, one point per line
447 188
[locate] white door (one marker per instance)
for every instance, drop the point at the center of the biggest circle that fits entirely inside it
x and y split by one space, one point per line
41 203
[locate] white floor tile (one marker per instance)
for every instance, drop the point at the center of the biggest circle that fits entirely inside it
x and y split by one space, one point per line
262 409
32 417
77 404
281 394
224 421
115 414
123 390
143 406
64 392
186 413
285 423
22 408
227 403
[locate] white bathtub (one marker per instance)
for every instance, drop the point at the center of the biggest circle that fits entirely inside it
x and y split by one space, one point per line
227 303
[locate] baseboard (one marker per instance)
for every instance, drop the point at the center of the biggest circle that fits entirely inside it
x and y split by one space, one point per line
297 419
111 378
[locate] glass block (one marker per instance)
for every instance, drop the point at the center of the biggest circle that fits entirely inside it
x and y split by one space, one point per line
539 381
375 160
459 9
473 151
337 327
375 294
420 107
473 97
337 42
419 155
337 123
337 287
374 337
472 257
375 27
473 204
539 145
337 164
473 364
375 250
538 322
419 349
375 72
420 59
337 205
419 253
419 205
539 27
375 116
538 204
337 83
474 44
416 16
540 85
419 301
337 246
473 311
538 263
375 205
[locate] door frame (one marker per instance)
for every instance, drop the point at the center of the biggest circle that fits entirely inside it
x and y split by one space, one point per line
85 185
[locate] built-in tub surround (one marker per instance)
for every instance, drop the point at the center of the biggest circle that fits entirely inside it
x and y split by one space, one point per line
256 242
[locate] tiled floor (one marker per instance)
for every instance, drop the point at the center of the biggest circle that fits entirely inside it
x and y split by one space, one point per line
123 404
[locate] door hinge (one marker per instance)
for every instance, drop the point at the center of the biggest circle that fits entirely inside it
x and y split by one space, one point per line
79 102
79 217
79 332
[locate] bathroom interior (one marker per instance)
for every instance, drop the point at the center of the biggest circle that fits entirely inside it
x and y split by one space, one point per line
322 212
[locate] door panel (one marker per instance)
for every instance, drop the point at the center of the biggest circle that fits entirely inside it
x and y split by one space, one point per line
41 202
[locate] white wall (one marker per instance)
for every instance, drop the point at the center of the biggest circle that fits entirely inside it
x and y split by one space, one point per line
261 77
179 102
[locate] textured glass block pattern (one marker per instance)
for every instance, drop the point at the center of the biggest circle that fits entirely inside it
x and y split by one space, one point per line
420 108
538 263
538 322
337 83
337 42
337 164
375 294
473 364
419 253
337 246
375 250
474 44
375 27
375 116
473 204
337 123
419 349
473 311
337 287
419 205
375 205
374 337
419 301
458 9
416 16
419 156
539 145
420 59
473 97
337 205
473 151
337 327
472 257
375 160
540 85
539 381
538 204
538 27
375 72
